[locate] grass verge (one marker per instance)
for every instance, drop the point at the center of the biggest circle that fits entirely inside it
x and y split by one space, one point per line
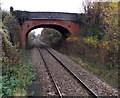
17 79
109 75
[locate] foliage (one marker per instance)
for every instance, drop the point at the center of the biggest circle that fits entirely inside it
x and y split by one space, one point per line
110 19
17 78
92 49
21 16
72 39
91 41
51 36
101 20
100 30
11 24
16 72
4 14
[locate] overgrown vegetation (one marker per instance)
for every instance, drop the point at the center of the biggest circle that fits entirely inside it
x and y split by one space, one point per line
51 37
17 77
11 24
106 74
98 42
16 68
21 16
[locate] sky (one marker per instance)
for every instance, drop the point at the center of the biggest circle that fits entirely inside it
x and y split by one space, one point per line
72 6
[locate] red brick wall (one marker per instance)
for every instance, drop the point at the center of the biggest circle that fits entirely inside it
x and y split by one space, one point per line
72 27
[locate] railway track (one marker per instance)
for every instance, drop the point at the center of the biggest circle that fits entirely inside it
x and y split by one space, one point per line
58 88
58 91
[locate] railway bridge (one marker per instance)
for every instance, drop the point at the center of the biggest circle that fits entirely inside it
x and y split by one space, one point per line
65 23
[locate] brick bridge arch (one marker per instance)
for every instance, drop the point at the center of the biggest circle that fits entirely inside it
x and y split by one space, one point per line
65 23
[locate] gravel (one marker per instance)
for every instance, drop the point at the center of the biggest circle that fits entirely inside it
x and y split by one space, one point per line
66 83
44 77
99 87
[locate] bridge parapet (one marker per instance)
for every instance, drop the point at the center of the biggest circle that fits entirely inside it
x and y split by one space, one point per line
53 15
23 15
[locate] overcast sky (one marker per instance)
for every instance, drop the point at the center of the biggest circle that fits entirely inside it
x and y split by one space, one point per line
73 6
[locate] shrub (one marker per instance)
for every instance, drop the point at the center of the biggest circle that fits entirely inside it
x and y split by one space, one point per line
16 74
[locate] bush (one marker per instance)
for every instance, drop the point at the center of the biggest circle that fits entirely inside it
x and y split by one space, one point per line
16 73
11 24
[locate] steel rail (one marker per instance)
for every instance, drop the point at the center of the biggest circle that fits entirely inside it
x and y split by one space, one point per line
75 76
59 93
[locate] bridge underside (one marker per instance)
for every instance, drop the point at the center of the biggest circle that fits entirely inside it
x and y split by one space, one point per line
66 28
61 29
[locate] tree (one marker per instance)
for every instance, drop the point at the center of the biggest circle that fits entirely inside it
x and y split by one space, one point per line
101 18
110 19
100 22
12 26
4 14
